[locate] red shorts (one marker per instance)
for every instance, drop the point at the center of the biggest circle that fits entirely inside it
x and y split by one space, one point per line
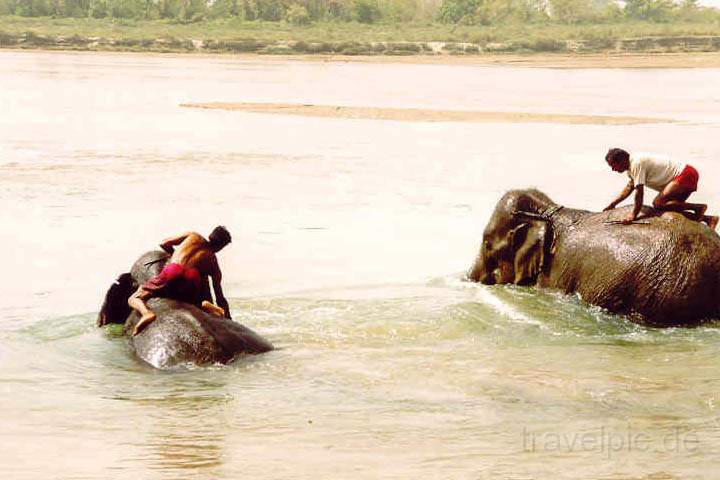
688 178
184 281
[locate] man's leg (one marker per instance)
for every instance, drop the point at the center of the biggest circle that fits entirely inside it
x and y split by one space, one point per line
137 301
711 220
672 199
213 309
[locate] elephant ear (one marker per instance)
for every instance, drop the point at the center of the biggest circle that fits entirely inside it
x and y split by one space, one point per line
530 241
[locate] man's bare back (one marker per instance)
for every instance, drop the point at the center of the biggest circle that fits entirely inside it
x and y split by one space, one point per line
191 250
192 261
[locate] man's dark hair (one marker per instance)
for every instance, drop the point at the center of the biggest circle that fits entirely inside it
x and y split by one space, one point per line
617 154
219 237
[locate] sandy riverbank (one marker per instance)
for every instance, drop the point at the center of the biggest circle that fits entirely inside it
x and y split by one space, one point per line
424 115
537 60
631 60
560 60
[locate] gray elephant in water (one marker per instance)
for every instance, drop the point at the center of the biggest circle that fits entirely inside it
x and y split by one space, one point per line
182 333
662 270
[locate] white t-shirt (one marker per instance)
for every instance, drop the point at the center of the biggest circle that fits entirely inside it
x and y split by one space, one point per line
653 172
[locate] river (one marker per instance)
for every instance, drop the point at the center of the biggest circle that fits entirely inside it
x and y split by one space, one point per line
350 239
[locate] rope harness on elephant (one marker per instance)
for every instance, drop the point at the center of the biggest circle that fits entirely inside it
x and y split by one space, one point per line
157 260
545 216
549 214
550 233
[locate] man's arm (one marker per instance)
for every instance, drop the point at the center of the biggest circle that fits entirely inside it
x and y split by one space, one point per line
169 243
639 194
623 195
220 299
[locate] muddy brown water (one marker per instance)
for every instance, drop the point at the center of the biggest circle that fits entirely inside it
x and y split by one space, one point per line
350 239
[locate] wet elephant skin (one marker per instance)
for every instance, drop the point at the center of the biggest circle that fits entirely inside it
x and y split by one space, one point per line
182 333
661 270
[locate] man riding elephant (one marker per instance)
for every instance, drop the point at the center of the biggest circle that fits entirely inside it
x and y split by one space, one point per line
185 275
674 181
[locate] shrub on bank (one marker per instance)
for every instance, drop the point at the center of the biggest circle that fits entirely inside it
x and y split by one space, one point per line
403 48
321 47
297 15
237 46
32 38
367 11
8 39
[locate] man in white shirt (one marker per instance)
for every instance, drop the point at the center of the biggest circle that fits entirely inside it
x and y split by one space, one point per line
674 181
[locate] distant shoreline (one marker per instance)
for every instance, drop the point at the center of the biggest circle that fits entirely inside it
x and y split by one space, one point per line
661 45
603 45
537 60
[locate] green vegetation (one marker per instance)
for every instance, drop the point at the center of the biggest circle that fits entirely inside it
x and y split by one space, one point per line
397 27
303 12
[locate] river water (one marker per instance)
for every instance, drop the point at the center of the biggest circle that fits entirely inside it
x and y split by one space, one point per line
350 238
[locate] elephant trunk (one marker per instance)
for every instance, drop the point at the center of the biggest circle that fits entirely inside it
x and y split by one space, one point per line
480 272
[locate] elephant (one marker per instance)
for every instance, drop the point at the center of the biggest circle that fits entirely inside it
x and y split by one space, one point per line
182 333
661 270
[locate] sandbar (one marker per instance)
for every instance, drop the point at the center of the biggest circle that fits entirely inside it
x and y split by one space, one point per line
424 115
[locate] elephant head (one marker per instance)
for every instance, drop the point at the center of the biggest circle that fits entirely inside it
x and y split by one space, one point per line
115 308
517 240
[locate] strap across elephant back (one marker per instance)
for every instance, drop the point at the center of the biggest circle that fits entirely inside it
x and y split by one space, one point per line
550 234
544 216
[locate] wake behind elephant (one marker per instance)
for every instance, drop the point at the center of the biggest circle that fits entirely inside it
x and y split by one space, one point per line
182 332
661 270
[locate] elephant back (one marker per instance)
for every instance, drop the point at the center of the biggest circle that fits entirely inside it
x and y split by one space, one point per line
663 269
148 265
184 334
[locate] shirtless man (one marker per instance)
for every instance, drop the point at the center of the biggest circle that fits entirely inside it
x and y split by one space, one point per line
186 271
674 181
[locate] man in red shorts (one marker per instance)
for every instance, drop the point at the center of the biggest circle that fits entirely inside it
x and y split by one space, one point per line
674 181
185 274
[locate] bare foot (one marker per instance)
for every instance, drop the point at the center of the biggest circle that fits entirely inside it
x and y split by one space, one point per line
213 309
712 222
144 321
701 213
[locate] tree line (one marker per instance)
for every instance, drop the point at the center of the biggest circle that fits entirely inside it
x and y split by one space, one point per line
302 12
